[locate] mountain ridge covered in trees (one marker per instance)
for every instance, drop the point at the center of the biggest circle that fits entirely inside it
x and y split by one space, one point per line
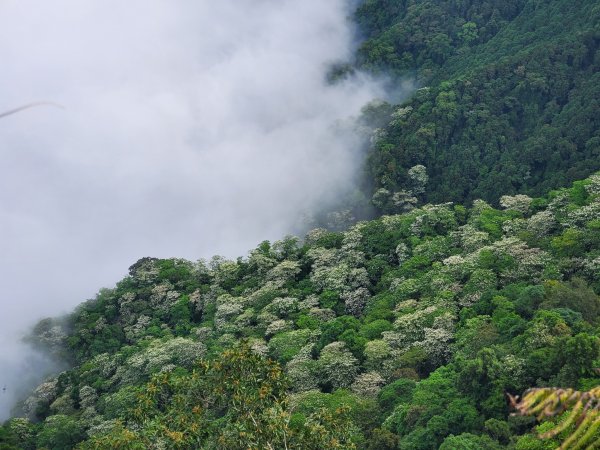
402 332
479 280
508 102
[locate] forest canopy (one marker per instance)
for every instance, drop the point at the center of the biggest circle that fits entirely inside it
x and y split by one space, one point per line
465 315
410 329
508 95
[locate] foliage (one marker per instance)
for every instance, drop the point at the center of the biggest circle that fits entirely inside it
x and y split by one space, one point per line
405 331
237 400
450 309
573 415
507 100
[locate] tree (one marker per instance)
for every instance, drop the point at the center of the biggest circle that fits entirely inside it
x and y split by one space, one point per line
60 432
236 401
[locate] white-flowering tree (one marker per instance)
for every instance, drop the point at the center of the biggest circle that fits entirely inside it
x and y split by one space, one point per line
410 328
381 198
277 326
418 179
520 202
260 263
402 252
404 201
136 331
376 352
228 308
163 297
302 371
436 343
285 271
88 396
356 300
400 114
282 306
368 384
470 238
542 223
63 404
44 394
179 351
337 366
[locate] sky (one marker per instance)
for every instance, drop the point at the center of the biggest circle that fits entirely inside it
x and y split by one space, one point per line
190 128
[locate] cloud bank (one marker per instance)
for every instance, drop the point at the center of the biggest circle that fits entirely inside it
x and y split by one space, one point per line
191 128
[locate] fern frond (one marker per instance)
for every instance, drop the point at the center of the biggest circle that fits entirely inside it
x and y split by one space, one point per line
580 414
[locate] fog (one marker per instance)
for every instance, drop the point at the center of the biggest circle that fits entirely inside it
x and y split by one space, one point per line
190 128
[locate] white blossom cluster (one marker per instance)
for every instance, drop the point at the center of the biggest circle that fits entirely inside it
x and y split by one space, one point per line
402 252
520 203
405 288
542 223
322 314
260 263
514 226
378 135
581 216
418 179
434 249
337 366
63 404
404 200
52 338
223 270
228 308
282 306
438 216
277 326
44 393
376 352
410 328
302 370
470 238
145 270
163 297
178 351
368 384
136 331
313 236
399 115
356 300
283 272
529 263
593 184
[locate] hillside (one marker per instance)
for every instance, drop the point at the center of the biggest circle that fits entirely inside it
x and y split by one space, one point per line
464 316
409 328
508 100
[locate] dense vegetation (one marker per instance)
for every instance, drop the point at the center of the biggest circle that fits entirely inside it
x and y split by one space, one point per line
509 101
417 330
403 332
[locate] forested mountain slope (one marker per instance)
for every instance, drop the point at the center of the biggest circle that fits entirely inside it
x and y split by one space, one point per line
403 332
409 331
509 98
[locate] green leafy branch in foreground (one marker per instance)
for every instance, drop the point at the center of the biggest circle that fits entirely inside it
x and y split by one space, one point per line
577 413
237 401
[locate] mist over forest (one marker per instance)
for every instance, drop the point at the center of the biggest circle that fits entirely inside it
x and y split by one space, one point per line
190 129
